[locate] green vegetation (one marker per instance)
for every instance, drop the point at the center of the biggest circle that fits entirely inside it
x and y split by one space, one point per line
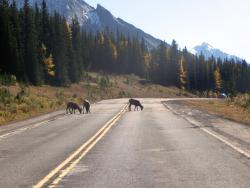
38 48
41 48
104 83
7 79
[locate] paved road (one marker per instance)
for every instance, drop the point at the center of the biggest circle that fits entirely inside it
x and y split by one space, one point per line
27 156
153 148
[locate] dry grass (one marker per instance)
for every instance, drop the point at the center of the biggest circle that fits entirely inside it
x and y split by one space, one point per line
133 86
223 108
94 87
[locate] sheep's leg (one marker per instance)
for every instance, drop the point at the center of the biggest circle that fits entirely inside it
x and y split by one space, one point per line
129 107
70 110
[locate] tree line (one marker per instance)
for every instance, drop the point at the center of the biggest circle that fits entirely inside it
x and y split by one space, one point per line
41 48
170 66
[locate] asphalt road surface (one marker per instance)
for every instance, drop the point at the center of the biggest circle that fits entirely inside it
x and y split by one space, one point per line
152 148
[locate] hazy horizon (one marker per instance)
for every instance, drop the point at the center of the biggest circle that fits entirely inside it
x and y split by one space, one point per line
221 23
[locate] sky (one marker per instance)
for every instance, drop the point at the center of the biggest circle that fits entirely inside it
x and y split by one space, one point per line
224 24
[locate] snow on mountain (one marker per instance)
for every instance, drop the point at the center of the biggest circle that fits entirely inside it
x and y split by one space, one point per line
93 19
68 8
208 51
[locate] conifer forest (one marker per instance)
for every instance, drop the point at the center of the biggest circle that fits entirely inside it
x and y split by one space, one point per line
41 48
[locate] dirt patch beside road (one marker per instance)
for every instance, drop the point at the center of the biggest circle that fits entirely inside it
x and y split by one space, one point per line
222 108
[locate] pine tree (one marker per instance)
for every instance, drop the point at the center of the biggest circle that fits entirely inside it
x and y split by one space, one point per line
32 66
4 36
16 59
41 48
61 41
45 26
173 63
76 65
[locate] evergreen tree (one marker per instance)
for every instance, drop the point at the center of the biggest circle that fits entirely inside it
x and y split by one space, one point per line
32 66
61 41
45 26
173 63
76 65
5 35
41 48
16 59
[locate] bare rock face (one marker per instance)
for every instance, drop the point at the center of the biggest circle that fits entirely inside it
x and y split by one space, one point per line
94 19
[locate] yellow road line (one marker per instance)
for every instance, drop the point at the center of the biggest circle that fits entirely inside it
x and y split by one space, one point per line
64 168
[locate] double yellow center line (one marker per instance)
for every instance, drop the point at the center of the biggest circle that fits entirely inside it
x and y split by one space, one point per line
57 174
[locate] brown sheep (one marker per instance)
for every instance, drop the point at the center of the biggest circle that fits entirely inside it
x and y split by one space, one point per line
71 107
136 103
86 105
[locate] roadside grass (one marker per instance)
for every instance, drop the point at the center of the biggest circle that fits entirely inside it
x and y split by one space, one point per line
18 102
242 101
233 110
15 107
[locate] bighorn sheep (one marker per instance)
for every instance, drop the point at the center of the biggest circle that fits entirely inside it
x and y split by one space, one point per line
136 103
86 105
71 107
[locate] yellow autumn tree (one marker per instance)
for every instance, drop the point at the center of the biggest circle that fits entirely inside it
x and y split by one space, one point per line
217 80
47 61
49 65
113 49
182 73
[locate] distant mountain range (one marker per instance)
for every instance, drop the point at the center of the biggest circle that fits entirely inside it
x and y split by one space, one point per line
99 18
94 19
208 51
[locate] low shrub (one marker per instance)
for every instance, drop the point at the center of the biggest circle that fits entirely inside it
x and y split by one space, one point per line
7 79
122 94
103 83
22 93
5 96
243 101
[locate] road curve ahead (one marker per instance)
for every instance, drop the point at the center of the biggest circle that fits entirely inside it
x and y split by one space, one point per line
152 148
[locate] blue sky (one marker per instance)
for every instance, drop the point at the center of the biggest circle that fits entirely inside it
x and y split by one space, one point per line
225 24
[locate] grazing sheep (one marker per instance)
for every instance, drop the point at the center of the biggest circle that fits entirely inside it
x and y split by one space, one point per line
136 103
71 107
86 105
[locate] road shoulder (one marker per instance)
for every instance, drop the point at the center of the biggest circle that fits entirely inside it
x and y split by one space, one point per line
234 134
31 121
